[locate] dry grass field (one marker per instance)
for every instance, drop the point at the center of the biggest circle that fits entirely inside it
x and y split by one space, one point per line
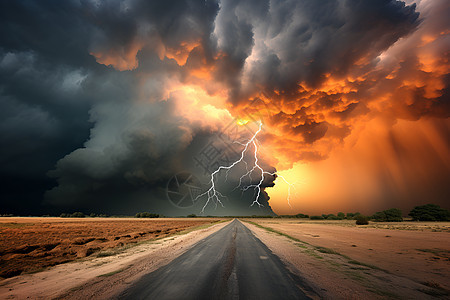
32 244
419 251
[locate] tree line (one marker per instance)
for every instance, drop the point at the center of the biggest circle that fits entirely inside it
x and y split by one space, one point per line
427 212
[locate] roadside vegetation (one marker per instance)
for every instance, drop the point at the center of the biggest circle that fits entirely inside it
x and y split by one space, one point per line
430 212
147 215
427 212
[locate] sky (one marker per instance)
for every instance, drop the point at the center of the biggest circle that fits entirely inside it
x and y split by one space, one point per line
120 107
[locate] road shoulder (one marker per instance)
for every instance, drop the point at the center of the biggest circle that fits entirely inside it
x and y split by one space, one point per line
103 277
335 276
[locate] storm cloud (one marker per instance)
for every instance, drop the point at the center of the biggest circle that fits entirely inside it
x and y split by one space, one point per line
104 102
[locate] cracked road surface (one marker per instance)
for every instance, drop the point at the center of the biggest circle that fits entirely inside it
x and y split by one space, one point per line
229 264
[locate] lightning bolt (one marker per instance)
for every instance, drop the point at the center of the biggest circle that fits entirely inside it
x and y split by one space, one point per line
213 195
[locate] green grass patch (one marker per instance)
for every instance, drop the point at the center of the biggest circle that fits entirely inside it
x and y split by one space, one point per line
113 272
356 276
326 250
355 262
301 245
277 232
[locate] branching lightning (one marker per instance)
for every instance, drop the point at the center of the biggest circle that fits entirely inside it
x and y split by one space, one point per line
213 195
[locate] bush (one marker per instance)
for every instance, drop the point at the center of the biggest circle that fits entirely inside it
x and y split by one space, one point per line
316 217
332 217
362 220
146 215
192 216
77 215
302 216
352 216
430 212
63 215
341 216
390 215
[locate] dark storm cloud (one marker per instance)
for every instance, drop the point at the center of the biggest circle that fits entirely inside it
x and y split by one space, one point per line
53 91
305 40
83 84
133 147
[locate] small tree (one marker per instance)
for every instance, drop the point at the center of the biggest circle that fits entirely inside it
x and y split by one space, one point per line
332 217
316 217
303 216
430 212
341 215
362 220
146 215
77 215
389 215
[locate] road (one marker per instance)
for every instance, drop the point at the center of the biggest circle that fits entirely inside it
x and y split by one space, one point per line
229 264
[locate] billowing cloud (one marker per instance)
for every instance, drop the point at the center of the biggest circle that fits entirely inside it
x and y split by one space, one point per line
112 99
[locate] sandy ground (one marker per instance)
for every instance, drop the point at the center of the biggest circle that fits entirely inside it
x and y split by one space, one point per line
348 262
99 276
32 244
336 258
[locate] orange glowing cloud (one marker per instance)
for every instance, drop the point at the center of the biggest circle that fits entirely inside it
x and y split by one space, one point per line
121 59
378 165
181 53
338 131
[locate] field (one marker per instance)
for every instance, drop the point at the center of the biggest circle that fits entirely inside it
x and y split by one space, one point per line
417 251
334 259
32 244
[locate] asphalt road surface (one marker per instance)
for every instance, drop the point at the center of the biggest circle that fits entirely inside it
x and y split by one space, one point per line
229 264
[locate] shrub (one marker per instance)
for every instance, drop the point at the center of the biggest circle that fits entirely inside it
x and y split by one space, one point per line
341 216
316 217
302 216
390 215
361 220
63 215
77 215
352 216
430 212
146 215
332 217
